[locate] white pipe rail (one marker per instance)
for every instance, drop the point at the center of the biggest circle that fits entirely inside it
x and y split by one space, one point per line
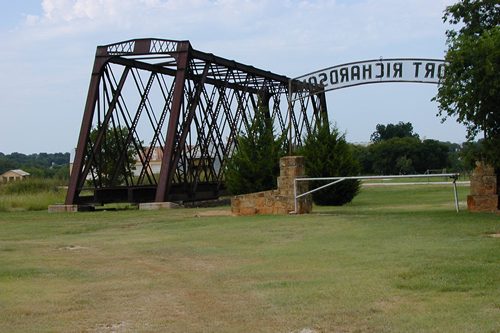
336 180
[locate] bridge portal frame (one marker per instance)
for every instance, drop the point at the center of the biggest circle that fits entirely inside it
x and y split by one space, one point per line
195 104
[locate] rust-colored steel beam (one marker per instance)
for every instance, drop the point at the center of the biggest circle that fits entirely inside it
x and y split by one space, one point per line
88 115
184 106
184 131
167 167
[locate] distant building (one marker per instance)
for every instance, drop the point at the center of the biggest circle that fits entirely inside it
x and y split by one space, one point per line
13 175
154 163
195 163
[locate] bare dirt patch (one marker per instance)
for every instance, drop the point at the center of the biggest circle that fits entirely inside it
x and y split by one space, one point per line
114 328
72 248
495 235
305 330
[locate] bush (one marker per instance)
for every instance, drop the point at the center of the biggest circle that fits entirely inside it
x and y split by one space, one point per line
30 186
327 154
30 202
254 166
30 194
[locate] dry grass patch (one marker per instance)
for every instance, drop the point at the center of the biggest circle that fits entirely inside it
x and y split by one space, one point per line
358 268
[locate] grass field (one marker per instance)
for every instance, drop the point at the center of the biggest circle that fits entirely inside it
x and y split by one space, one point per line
30 195
398 259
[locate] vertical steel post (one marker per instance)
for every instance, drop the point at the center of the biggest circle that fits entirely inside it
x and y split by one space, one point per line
167 168
99 63
456 194
290 117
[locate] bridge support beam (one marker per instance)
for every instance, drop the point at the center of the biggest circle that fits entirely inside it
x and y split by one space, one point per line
178 112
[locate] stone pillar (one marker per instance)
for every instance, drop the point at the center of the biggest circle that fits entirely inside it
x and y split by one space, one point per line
483 189
292 167
280 201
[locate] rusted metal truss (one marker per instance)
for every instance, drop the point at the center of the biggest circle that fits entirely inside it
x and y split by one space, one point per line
178 112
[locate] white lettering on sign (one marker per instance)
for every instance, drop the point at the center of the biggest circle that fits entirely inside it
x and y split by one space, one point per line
376 71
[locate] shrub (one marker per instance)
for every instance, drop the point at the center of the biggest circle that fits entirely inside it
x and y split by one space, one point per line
254 166
327 154
30 194
30 186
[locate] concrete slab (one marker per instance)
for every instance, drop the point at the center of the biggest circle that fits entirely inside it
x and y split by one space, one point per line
63 209
158 205
70 208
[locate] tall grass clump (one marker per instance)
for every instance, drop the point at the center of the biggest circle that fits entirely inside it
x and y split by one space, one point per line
30 194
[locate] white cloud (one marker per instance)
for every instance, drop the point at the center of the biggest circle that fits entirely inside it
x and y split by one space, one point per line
49 56
260 32
315 18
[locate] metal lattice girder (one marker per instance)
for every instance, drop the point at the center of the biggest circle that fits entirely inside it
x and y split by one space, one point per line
161 100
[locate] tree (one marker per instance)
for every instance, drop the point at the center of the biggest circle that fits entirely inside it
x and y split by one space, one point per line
399 130
254 166
327 154
470 152
394 156
6 164
362 154
431 155
470 89
113 149
44 165
408 155
396 149
454 160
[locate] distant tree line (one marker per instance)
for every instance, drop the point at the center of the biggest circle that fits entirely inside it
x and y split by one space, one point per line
396 149
43 165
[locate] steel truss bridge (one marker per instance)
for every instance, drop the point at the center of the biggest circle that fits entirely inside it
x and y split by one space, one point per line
178 112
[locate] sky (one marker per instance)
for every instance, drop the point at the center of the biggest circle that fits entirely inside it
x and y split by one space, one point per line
48 49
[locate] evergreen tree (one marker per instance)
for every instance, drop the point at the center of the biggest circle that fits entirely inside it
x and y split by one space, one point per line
327 154
254 166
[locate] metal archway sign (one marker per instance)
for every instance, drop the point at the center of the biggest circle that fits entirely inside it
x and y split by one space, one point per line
409 70
413 70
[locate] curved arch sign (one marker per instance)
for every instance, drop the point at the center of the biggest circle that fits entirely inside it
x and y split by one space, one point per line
376 71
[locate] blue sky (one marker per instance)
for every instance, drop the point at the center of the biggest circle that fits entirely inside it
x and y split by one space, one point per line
48 49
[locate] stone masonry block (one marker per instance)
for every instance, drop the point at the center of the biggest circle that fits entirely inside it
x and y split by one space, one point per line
482 169
280 201
482 203
260 201
483 189
483 185
247 211
265 210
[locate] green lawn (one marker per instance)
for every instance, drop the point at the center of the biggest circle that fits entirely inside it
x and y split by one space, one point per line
398 259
